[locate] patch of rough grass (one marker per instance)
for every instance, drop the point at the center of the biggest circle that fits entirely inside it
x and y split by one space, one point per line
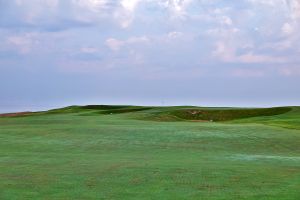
104 107
228 114
125 110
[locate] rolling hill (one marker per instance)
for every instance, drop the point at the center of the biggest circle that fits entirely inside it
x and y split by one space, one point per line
137 152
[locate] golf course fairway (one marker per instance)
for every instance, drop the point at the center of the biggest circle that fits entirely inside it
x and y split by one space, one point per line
134 152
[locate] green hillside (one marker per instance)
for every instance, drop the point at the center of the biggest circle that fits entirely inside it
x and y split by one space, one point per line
136 152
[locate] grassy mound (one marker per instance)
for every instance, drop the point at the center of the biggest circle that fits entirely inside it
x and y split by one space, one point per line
87 108
125 110
216 114
103 107
227 114
97 109
170 113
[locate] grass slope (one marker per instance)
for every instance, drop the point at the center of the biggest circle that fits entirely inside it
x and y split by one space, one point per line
130 152
226 114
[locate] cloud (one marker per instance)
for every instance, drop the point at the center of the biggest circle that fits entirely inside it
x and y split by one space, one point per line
248 73
194 41
116 45
290 71
166 32
287 29
125 14
47 3
272 3
226 20
130 5
89 50
294 6
23 44
92 5
52 15
174 34
177 7
228 53
256 58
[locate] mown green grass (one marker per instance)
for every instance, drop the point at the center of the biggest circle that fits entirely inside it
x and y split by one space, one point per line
123 152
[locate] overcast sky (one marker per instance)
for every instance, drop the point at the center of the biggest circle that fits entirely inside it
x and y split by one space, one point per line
149 52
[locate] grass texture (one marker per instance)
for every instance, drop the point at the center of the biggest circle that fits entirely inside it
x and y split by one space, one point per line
134 152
